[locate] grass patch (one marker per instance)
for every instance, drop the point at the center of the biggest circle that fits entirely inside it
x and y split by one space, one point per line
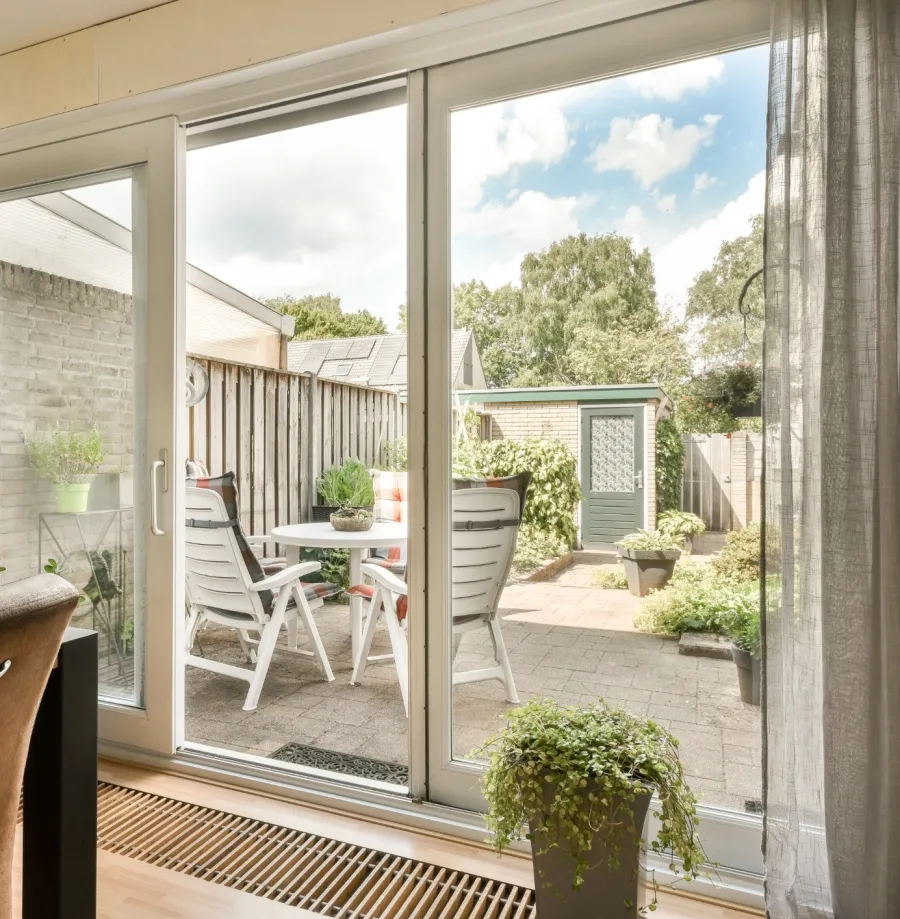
610 578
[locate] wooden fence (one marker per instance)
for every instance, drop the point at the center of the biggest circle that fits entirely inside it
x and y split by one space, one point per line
277 431
722 479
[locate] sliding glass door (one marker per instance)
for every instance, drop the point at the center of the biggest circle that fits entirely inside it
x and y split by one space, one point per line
91 385
569 211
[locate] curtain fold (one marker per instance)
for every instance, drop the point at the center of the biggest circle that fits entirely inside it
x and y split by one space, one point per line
832 429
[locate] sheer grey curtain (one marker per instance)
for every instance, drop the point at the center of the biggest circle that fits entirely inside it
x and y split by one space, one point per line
832 424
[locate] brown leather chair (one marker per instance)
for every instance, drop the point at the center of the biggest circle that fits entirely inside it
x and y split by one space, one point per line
34 614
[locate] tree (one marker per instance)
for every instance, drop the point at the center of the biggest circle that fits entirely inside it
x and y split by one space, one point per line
574 292
625 355
491 315
320 317
713 301
401 319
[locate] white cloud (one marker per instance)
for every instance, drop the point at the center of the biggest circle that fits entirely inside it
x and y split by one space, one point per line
315 209
673 82
492 140
651 147
702 181
682 259
665 203
506 231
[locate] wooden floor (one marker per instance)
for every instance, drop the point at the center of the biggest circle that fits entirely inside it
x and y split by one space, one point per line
130 889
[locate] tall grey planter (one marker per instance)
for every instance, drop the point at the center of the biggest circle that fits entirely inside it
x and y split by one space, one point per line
605 891
648 569
749 676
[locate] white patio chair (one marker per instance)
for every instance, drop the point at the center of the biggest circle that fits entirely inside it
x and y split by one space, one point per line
226 586
486 518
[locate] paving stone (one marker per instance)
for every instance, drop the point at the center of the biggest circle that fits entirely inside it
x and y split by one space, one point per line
741 756
571 643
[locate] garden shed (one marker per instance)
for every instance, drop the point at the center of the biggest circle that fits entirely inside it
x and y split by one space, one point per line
611 430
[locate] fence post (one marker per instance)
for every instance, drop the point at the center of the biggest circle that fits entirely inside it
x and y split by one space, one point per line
315 439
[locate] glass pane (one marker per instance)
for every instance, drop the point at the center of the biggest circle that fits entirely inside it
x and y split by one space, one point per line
612 453
601 235
72 400
308 223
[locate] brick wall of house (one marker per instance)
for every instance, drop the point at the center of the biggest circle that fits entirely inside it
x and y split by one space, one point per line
66 356
517 420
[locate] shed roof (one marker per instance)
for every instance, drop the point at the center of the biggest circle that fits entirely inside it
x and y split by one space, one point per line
625 392
374 360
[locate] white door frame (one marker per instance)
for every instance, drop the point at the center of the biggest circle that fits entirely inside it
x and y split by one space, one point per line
154 154
621 47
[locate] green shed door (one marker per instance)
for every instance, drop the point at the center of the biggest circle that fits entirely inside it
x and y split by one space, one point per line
612 474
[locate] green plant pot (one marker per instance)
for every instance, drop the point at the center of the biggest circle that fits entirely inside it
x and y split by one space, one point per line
72 499
606 890
648 569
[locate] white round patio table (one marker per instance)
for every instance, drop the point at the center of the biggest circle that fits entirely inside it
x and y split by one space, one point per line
324 536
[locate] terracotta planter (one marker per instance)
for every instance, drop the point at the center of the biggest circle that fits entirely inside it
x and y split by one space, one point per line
648 569
749 676
605 891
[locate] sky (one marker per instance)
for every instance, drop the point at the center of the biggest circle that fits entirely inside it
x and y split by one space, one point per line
673 157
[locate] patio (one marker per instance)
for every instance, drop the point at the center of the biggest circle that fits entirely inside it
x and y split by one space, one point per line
566 639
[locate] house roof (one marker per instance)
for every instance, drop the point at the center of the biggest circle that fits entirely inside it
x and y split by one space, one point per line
375 360
58 235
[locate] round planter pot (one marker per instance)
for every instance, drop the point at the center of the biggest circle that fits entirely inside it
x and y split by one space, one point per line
605 891
648 570
352 524
748 671
72 499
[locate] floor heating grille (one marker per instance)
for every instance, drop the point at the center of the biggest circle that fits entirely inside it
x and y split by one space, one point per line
287 866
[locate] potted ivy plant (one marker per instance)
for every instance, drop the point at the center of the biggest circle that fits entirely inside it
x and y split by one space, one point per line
682 525
345 486
649 557
743 628
582 780
67 459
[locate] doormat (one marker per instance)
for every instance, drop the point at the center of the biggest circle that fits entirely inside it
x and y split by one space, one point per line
342 763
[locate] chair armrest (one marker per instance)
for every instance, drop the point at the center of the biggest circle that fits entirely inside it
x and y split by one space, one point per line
385 578
258 542
288 576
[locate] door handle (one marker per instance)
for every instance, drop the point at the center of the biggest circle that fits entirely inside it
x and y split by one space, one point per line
155 467
639 480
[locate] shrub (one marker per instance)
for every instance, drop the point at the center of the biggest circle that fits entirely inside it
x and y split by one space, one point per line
680 523
669 465
695 600
347 485
65 457
650 541
554 494
560 769
610 579
396 455
740 558
534 547
743 627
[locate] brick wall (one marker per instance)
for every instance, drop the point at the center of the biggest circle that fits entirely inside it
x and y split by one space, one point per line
66 356
516 420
